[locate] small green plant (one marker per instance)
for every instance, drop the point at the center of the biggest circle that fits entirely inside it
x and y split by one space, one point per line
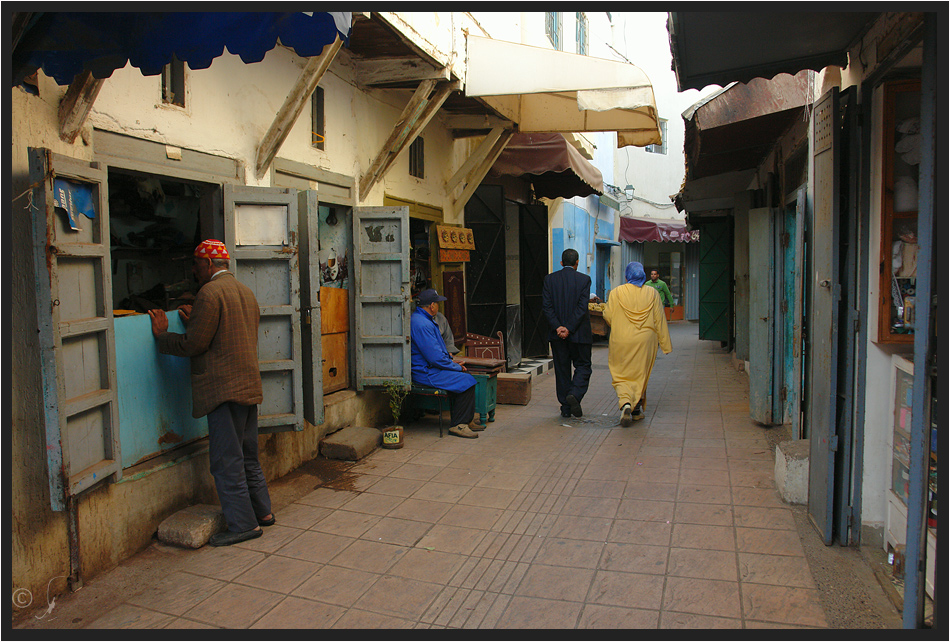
397 391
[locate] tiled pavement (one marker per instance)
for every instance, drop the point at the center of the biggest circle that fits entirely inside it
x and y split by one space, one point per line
541 522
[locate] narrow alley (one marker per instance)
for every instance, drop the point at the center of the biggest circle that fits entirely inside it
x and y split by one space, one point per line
541 522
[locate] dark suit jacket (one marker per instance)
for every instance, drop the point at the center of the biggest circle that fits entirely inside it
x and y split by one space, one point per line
564 302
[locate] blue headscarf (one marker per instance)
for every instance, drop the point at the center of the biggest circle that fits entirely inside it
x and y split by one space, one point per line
635 274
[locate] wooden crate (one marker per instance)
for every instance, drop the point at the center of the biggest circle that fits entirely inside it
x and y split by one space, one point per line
513 388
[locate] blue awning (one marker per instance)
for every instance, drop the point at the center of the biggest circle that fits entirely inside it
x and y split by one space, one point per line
64 44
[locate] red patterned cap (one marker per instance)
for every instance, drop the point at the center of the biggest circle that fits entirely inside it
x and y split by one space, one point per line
212 249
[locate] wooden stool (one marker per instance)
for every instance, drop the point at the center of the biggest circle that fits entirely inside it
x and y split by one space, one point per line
426 398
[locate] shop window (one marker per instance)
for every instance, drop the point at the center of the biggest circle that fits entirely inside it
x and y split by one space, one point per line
155 224
901 157
417 158
173 83
317 116
552 27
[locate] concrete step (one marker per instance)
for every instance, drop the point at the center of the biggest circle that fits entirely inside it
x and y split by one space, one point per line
351 443
192 527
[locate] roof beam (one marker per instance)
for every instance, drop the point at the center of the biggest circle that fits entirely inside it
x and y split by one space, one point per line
481 162
293 106
76 104
397 70
415 116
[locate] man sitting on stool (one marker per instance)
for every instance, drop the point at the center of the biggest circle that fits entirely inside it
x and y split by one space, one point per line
433 367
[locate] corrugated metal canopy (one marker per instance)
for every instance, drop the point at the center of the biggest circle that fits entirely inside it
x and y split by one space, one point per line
64 44
554 166
717 48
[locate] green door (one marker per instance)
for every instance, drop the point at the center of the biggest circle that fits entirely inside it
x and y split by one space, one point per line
715 278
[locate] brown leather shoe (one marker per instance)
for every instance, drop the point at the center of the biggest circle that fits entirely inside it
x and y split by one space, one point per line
463 430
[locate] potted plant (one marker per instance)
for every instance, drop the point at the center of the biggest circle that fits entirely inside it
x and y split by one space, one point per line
397 390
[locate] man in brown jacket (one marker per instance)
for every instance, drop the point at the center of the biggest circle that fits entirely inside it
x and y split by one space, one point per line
221 340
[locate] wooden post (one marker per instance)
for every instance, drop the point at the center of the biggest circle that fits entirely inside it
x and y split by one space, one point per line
76 104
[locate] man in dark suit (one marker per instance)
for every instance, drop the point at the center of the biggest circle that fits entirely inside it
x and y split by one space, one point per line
565 297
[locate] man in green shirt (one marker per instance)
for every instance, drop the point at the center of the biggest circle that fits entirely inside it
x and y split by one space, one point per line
660 286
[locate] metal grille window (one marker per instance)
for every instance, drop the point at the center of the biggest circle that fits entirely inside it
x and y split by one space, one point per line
173 83
661 148
582 43
552 27
417 166
318 125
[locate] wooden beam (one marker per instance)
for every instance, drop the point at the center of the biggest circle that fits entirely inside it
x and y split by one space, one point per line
395 70
414 118
476 157
76 104
293 105
476 121
475 177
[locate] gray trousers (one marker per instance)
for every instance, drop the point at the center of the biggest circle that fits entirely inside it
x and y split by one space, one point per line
233 454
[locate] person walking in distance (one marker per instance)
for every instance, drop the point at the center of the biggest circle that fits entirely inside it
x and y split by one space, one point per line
564 302
666 297
637 328
221 340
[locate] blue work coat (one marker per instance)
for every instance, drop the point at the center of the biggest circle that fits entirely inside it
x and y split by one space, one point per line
431 364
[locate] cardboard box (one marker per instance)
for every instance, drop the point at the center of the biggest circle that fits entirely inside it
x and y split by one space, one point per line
514 388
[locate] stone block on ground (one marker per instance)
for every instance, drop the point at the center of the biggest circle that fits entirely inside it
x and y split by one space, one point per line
192 527
791 470
351 443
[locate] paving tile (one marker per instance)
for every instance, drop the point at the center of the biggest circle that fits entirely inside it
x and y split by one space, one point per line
488 497
769 541
537 613
278 574
184 623
517 466
458 476
557 551
374 503
711 514
473 462
273 538
313 546
634 558
703 597
298 613
502 480
760 517
703 494
429 458
614 588
371 556
585 528
632 531
129 616
698 477
234 606
346 523
393 530
358 619
692 621
781 570
439 492
327 497
397 487
420 510
303 516
336 585
783 605
705 463
721 538
605 507
641 509
703 564
428 566
764 497
398 597
752 479
650 490
222 562
472 516
596 616
176 593
646 475
452 539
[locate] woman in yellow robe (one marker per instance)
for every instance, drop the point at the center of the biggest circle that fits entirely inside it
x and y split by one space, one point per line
637 328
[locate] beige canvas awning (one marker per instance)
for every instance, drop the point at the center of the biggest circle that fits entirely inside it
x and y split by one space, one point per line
544 90
554 166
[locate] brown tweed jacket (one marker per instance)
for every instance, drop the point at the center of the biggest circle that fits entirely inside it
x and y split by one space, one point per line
221 339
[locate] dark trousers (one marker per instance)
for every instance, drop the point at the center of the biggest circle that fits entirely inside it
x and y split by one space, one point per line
568 355
233 453
463 406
